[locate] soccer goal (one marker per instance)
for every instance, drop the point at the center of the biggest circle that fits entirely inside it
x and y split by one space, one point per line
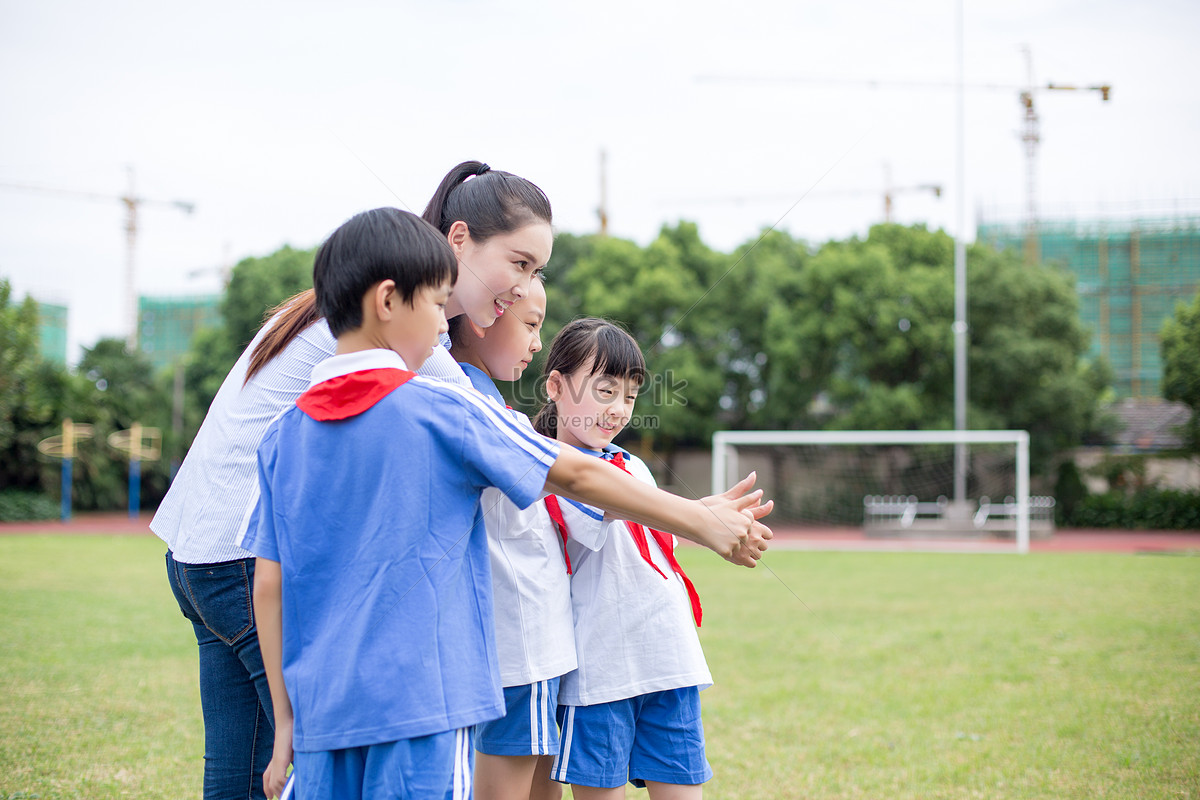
899 484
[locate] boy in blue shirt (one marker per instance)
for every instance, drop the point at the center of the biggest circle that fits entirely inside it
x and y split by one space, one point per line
372 588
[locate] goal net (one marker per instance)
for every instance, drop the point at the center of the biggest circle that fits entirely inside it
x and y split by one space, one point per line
935 485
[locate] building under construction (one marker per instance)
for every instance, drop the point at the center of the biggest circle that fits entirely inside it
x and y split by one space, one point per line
166 324
1129 274
52 332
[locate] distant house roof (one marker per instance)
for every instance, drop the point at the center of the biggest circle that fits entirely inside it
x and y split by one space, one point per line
1150 424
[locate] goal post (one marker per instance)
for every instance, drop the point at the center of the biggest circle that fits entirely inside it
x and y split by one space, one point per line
725 470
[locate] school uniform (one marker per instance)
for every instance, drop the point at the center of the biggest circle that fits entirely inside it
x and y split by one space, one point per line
631 710
535 637
370 502
202 520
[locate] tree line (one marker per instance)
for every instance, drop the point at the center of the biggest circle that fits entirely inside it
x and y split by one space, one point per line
778 334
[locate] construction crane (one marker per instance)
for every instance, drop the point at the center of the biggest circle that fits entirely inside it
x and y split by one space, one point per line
889 194
1030 130
132 203
602 210
1031 136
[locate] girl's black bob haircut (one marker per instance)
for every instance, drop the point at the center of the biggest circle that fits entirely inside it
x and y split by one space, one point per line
379 245
602 347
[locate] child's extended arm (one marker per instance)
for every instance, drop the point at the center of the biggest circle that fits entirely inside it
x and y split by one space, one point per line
268 593
725 523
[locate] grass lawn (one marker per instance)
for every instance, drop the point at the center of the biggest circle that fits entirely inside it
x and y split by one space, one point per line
838 675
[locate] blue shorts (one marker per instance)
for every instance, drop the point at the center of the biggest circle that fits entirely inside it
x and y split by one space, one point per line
651 737
437 766
527 727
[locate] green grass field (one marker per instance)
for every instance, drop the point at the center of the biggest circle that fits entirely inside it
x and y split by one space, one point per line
837 675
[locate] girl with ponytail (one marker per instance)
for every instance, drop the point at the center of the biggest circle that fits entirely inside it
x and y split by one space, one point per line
498 226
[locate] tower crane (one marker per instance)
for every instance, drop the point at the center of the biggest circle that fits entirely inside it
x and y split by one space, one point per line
1030 130
889 190
889 194
1031 136
132 203
602 209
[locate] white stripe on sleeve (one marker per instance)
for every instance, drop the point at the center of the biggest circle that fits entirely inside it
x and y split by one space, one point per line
527 439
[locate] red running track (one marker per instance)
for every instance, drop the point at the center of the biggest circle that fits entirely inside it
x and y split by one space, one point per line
786 538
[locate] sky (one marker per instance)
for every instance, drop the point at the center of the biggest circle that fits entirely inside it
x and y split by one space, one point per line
281 120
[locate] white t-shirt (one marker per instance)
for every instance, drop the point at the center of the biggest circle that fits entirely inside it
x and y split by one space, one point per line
202 517
531 590
634 632
535 636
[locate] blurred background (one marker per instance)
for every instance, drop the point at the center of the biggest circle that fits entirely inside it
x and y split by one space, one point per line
206 151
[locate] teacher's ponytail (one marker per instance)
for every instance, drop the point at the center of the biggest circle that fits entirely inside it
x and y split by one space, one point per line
489 201
296 314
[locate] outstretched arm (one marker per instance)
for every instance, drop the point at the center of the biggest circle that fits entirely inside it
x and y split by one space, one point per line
268 593
725 523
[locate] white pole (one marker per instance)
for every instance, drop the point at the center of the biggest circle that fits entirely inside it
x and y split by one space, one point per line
718 462
960 267
131 303
1023 493
732 470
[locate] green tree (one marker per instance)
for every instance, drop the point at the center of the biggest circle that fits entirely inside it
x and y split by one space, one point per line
28 409
1028 367
256 285
112 389
856 335
1181 363
562 305
860 337
753 303
657 293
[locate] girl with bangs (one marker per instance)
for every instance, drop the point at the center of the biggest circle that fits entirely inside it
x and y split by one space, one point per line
631 710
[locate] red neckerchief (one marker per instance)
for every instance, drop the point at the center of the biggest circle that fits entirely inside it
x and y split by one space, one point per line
351 394
556 516
665 542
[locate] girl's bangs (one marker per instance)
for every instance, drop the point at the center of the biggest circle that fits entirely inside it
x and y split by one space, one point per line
617 355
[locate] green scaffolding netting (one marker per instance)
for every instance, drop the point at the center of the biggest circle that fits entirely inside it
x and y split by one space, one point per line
1130 274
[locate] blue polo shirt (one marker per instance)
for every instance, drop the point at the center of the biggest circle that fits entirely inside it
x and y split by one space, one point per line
375 520
482 383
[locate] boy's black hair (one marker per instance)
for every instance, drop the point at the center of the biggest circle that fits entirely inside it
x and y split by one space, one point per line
488 200
383 244
605 345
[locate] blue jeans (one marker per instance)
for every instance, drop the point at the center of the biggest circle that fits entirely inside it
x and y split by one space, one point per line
239 731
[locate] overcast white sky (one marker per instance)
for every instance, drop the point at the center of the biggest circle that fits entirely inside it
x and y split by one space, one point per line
280 120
